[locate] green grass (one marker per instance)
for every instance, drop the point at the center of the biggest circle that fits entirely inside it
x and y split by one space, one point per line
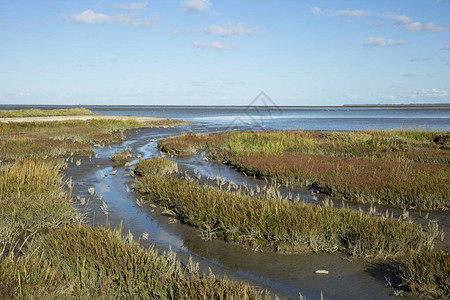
155 166
403 168
283 225
62 138
82 262
26 113
33 200
45 256
427 274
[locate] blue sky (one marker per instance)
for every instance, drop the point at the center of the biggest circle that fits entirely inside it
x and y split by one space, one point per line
210 52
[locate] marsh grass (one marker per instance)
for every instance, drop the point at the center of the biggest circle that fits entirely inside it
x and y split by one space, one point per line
282 225
427 274
156 166
82 262
407 168
26 113
122 157
61 138
33 199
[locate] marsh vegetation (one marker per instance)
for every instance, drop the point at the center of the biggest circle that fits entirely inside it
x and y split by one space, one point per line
404 168
46 251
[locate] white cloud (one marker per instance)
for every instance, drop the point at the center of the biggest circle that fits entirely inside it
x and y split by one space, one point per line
195 5
410 75
316 10
220 46
379 41
132 6
357 13
90 17
131 19
230 29
3 25
425 27
446 47
198 44
414 26
432 93
399 19
420 59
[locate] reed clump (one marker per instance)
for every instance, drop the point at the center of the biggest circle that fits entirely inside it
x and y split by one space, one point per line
122 157
26 113
403 168
156 166
427 274
283 225
33 199
83 262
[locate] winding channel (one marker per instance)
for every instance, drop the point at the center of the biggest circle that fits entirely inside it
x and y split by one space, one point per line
281 274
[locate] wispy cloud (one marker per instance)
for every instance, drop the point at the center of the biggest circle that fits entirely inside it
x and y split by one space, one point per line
214 45
412 26
420 59
175 31
132 6
399 19
316 10
90 17
195 5
379 41
3 25
197 44
410 75
425 27
351 96
230 29
349 13
131 19
432 93
357 13
446 47
220 46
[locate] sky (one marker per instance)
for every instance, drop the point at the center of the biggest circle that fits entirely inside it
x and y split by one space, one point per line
211 52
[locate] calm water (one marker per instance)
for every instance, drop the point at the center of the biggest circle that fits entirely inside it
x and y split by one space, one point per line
309 118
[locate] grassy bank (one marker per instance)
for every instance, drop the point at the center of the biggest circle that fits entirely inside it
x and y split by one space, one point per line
282 225
60 138
427 275
402 168
26 113
81 262
33 200
46 253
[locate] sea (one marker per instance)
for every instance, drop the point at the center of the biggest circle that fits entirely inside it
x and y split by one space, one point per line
316 118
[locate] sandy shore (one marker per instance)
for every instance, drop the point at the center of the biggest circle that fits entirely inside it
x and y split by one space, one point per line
81 118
